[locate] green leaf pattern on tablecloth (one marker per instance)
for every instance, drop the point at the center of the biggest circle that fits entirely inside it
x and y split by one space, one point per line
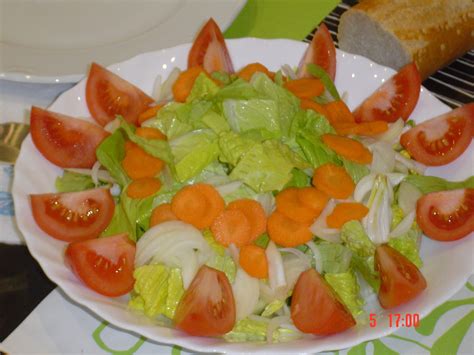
447 343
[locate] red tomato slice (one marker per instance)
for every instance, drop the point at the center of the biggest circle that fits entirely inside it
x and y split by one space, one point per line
207 307
396 98
442 139
209 50
108 95
105 265
401 281
65 141
321 51
446 215
315 307
73 216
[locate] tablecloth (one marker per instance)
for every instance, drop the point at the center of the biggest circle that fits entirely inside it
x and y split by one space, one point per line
58 325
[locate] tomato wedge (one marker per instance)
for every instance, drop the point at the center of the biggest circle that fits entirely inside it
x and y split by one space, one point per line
401 281
65 141
108 95
210 51
396 98
315 307
73 216
321 51
446 215
105 265
442 139
207 307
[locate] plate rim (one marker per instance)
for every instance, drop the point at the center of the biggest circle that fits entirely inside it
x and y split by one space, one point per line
183 341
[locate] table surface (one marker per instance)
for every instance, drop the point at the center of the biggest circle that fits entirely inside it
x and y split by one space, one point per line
32 307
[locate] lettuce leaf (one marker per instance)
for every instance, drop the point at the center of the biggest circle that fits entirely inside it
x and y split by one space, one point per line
355 238
238 89
110 154
72 182
427 184
253 330
272 308
172 120
315 151
298 179
232 147
120 224
336 258
221 261
267 166
244 115
407 245
157 290
203 88
192 152
346 286
356 171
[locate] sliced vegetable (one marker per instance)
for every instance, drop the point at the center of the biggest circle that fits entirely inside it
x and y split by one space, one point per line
333 180
73 216
371 128
442 139
138 164
348 148
162 213
254 214
148 113
249 70
288 203
286 232
105 265
65 141
144 187
344 212
150 133
184 84
231 227
427 184
254 261
305 88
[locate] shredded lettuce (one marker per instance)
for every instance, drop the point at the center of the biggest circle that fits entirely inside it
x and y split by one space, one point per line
272 308
172 120
356 171
336 258
239 90
407 244
262 241
71 182
203 88
220 261
347 288
355 238
321 74
232 147
299 179
397 216
245 115
157 290
120 224
254 330
427 184
110 154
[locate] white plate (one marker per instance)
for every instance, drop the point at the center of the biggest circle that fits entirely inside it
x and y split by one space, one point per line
54 41
446 265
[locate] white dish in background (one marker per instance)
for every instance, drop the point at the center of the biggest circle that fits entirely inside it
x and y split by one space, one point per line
446 265
54 41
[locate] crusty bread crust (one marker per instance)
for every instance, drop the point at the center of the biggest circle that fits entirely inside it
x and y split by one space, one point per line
395 32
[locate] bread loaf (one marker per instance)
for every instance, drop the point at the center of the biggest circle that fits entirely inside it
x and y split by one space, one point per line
395 32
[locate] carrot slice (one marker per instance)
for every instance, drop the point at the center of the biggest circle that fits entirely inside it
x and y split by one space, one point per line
289 204
149 113
370 128
348 148
162 213
197 204
183 85
231 226
144 187
254 213
305 88
333 180
345 212
253 260
249 70
286 232
311 105
139 164
313 198
150 133
337 111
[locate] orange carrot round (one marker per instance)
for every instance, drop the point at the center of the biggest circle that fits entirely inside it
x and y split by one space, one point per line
197 204
231 226
333 180
253 260
311 105
139 164
289 204
254 213
348 148
371 128
150 133
183 85
286 232
162 213
249 70
144 187
345 212
305 88
149 113
313 198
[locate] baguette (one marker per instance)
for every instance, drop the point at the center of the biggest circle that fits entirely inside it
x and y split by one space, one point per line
395 32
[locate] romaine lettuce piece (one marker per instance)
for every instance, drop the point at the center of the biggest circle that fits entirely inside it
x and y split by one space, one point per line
72 182
157 290
192 152
253 330
427 184
346 286
203 88
220 261
120 224
172 119
272 308
336 258
110 154
355 170
315 151
355 238
238 89
244 115
232 147
267 166
397 216
308 121
407 245
298 179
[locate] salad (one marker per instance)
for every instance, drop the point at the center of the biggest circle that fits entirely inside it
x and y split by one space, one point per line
250 204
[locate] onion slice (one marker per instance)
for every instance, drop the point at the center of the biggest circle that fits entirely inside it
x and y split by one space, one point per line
404 226
276 271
